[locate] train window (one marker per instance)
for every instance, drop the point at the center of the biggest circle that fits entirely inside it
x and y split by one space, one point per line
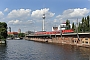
86 38
82 41
86 42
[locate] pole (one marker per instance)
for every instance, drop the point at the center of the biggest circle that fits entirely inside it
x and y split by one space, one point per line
60 32
77 30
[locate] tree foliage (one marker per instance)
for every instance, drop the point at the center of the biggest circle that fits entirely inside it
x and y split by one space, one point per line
3 30
73 26
67 24
21 35
83 26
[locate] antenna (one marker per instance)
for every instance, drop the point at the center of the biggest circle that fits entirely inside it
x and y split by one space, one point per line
43 26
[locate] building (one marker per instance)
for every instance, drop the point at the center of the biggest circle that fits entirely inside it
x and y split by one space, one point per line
54 28
13 33
19 30
61 27
9 29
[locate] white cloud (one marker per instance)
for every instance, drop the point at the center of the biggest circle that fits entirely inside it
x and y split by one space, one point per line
21 18
20 13
6 10
73 14
39 13
1 14
14 22
30 21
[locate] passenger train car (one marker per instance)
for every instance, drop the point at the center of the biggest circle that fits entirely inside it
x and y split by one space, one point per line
54 32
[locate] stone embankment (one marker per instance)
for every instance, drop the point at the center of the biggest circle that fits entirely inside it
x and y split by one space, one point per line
84 39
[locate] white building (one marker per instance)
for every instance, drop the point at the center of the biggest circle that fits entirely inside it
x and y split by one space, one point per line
60 27
19 30
54 28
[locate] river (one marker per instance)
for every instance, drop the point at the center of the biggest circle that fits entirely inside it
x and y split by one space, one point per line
30 50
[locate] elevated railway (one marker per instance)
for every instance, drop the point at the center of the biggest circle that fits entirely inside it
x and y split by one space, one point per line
66 38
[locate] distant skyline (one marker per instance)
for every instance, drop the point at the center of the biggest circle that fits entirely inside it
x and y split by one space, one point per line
27 14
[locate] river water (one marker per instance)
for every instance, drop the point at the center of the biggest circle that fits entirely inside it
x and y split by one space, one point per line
29 50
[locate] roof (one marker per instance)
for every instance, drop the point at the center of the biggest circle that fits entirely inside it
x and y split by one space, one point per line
12 32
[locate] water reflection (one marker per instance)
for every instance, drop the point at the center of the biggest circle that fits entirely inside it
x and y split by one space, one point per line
75 53
29 50
3 51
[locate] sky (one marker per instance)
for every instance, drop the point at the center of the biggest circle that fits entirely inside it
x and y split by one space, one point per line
27 14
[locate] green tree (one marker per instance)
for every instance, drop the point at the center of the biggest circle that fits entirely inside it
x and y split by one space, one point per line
88 20
83 27
83 21
67 24
83 24
3 30
73 26
21 35
80 27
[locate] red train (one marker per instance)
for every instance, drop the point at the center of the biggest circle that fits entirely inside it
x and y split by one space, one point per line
54 32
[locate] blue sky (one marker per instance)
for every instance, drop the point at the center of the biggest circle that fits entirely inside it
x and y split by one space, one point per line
27 14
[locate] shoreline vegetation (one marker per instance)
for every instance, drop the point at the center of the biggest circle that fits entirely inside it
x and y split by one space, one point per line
82 26
3 32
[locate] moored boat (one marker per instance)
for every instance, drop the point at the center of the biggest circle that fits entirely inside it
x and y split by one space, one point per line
17 38
9 38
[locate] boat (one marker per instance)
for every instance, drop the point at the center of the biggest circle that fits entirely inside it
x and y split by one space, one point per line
9 38
17 38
